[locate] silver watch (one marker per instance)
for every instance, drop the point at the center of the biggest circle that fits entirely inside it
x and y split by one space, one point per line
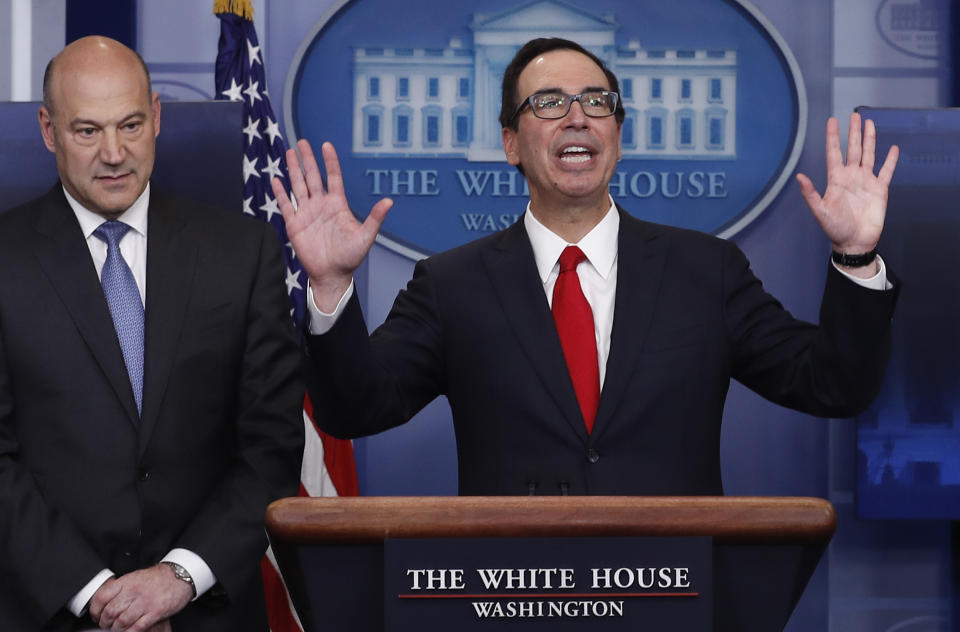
182 574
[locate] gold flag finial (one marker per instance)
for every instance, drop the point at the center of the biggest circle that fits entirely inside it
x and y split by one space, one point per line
243 8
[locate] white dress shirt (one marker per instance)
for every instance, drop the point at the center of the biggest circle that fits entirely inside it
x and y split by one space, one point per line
133 248
598 273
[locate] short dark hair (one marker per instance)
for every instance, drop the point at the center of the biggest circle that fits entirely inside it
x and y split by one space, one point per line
510 101
48 77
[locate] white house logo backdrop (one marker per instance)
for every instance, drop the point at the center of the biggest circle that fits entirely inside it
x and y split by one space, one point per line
914 27
409 94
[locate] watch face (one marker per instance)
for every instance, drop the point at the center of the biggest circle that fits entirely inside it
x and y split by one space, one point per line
180 572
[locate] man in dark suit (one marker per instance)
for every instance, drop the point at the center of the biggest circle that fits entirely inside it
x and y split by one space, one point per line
148 416
584 351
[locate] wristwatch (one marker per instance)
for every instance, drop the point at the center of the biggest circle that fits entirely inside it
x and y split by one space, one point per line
854 261
182 574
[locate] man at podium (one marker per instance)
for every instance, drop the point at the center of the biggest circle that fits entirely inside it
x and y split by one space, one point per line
584 351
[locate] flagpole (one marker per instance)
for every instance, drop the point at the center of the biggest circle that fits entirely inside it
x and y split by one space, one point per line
329 467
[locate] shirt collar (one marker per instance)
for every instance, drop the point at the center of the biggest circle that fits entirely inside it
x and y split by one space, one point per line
599 245
135 216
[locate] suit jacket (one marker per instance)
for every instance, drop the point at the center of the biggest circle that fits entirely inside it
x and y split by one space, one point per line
84 483
474 325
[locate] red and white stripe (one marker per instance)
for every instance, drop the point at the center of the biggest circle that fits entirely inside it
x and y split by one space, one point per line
328 469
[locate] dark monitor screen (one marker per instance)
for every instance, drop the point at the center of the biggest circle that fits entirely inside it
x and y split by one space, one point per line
908 442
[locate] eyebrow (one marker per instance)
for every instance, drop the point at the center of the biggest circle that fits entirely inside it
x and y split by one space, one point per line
82 121
587 89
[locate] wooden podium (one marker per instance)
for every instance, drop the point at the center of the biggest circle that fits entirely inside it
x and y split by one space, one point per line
765 549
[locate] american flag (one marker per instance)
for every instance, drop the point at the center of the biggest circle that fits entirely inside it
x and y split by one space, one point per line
328 464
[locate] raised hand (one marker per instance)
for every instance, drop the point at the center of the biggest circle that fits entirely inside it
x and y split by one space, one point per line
329 241
854 204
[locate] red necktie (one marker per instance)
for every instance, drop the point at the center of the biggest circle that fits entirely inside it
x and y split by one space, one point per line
574 320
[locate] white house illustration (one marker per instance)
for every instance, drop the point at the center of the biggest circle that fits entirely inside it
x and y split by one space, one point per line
444 102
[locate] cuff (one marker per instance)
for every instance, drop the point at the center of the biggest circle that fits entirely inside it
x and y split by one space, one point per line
321 322
78 605
876 282
203 577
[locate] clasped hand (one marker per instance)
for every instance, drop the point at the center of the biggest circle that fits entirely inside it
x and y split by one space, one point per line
141 601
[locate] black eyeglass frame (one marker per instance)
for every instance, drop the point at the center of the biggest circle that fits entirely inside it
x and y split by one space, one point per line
613 96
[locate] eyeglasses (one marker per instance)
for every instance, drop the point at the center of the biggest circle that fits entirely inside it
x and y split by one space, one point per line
554 105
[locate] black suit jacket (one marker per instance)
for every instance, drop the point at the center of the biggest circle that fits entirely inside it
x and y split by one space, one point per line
84 483
474 324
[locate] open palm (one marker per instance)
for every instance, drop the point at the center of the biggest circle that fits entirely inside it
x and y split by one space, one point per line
852 209
329 241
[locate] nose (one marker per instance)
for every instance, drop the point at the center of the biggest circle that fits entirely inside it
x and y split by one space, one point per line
576 116
111 149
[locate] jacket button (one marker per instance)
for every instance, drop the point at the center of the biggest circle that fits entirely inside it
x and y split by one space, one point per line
143 474
127 554
592 455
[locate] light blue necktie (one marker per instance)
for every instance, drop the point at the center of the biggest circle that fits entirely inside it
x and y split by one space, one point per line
123 298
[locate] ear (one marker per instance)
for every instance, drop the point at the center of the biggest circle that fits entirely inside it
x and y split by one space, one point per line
155 105
620 141
46 128
510 146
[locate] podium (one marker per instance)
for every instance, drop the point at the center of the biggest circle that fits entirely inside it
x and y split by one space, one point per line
331 550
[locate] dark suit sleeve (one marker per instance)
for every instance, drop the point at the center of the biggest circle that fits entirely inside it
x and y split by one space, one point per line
228 530
45 557
364 384
831 370
43 565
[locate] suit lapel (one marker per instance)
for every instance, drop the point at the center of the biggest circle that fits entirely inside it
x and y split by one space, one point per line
641 257
171 263
513 274
65 259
